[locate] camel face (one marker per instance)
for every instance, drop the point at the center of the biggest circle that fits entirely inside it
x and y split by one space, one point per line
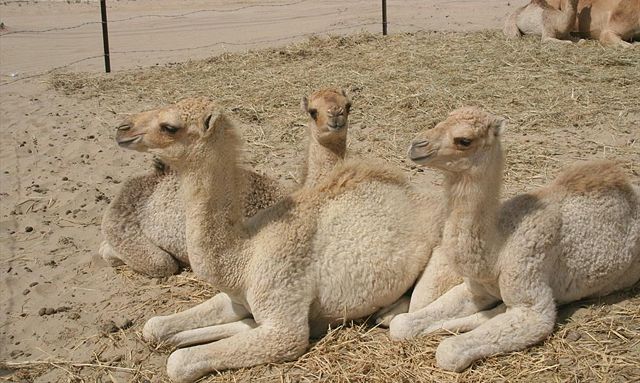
172 131
328 110
457 143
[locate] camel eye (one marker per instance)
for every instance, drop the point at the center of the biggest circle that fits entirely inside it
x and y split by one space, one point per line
169 128
313 113
462 141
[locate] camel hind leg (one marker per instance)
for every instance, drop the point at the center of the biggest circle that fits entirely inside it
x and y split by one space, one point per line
510 28
125 240
127 244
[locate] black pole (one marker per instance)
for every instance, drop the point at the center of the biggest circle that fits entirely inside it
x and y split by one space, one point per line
384 17
105 36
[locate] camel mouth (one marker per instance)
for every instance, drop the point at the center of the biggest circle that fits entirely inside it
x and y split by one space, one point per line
335 128
129 141
421 156
421 160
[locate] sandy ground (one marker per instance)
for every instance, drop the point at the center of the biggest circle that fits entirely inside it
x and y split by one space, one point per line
59 167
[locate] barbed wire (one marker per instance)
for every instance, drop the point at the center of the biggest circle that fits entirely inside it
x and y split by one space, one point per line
228 10
200 47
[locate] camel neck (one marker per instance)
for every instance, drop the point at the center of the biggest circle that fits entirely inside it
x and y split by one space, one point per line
470 232
214 228
321 159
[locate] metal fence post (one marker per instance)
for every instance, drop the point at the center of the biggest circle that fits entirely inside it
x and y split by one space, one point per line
105 36
384 17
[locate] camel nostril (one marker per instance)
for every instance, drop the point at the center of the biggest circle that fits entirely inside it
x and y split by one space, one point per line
123 127
419 143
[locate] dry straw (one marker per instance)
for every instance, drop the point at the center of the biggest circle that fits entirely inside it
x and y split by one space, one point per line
564 103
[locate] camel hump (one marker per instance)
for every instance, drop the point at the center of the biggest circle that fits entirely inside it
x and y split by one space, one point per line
350 174
592 176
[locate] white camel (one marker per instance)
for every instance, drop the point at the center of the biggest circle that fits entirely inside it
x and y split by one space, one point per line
143 227
578 237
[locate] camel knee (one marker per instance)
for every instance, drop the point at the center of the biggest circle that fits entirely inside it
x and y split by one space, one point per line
110 256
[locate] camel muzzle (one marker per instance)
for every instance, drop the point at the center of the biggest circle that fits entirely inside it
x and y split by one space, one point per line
419 151
129 141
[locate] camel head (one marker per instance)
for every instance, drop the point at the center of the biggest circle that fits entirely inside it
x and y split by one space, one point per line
463 141
328 111
175 133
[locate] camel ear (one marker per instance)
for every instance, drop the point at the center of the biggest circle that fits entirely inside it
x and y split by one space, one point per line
498 126
216 122
304 104
344 92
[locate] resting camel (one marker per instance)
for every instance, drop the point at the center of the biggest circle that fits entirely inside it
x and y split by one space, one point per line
343 249
539 18
609 21
578 237
143 226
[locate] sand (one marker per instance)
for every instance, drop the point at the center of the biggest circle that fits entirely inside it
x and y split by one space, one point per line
67 315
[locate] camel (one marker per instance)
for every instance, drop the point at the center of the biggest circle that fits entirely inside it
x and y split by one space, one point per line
143 226
328 111
539 18
609 21
340 250
145 222
578 237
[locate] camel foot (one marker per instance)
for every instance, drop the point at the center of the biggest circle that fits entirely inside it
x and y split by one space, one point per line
107 253
179 369
554 40
451 355
404 327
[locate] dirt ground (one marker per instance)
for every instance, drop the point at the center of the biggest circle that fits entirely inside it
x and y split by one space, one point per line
67 316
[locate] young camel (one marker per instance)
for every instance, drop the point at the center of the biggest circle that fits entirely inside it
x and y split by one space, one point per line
328 111
578 237
540 18
340 250
145 222
143 226
609 21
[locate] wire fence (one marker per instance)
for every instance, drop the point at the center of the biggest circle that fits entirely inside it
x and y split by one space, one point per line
380 24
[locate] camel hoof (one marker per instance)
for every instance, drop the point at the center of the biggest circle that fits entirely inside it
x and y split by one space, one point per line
179 368
401 328
451 356
152 330
110 256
